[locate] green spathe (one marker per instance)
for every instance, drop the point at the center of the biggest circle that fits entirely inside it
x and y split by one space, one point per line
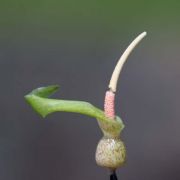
43 105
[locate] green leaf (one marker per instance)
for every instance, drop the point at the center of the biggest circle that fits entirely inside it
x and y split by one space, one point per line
44 106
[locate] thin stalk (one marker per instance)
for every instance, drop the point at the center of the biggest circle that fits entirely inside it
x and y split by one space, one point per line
113 175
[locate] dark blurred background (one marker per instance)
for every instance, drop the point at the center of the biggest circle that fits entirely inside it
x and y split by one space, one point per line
76 44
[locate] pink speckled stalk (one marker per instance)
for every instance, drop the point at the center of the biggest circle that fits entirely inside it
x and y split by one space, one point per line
109 104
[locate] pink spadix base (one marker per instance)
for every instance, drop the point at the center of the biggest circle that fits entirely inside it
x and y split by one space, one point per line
109 104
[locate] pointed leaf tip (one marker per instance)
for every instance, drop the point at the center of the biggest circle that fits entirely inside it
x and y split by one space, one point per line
45 91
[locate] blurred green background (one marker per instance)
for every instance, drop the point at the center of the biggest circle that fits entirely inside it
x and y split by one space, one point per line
59 20
76 44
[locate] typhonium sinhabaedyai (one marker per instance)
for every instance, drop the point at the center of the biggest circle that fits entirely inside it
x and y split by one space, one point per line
110 152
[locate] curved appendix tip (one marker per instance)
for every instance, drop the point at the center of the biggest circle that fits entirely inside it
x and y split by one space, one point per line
122 60
110 95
